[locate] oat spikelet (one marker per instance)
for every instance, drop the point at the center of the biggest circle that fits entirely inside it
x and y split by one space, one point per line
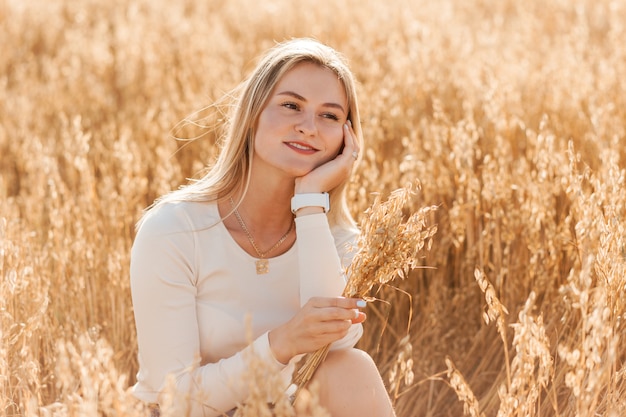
402 371
495 312
266 388
532 365
590 351
389 246
463 391
309 405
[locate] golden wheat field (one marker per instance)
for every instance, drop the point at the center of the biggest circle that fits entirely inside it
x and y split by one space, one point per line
511 114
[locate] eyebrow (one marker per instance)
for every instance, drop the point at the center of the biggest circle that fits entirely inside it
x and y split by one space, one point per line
299 97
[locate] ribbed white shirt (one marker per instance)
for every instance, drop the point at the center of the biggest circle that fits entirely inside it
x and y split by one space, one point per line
194 291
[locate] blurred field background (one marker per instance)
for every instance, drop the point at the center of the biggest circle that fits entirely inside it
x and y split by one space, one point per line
511 114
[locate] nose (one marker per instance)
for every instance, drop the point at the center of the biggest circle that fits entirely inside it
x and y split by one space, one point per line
306 124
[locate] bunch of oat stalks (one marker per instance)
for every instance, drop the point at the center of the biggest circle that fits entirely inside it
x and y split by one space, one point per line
389 246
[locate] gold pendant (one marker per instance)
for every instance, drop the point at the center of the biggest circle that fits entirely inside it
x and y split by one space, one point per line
262 266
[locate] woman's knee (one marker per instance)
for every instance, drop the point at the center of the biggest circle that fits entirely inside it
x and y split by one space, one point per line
350 359
348 366
350 384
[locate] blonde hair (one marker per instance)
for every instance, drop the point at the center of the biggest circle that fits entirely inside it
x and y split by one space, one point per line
231 171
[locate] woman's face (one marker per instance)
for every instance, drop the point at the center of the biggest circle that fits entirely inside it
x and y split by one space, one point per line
301 125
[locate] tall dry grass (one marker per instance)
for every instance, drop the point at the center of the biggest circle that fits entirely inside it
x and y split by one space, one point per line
511 114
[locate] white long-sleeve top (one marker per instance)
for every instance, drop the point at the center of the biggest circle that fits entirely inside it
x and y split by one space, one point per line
194 290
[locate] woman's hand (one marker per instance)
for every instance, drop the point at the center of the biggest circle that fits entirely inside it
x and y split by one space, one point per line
321 321
329 175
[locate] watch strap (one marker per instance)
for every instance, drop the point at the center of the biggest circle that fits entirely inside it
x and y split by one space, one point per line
310 200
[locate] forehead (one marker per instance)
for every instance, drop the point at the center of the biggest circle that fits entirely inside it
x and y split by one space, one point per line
313 81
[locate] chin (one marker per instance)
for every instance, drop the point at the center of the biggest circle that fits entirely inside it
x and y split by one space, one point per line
300 170
297 173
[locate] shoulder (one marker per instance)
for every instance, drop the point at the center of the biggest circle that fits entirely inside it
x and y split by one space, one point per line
179 216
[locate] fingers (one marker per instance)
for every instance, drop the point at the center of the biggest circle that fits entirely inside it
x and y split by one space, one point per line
360 317
351 146
330 174
354 138
321 321
338 308
340 302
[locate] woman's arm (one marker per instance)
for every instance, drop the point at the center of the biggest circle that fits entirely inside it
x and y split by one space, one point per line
327 320
325 317
321 270
163 285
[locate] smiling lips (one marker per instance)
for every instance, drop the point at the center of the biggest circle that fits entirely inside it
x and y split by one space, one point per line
301 148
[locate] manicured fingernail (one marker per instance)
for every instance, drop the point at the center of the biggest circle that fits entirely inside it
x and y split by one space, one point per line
361 303
356 314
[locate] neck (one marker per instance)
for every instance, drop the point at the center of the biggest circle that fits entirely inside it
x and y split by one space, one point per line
266 206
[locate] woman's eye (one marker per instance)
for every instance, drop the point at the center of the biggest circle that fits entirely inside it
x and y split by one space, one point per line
290 105
331 116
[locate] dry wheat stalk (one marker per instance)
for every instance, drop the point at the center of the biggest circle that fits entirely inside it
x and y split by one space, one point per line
388 247
402 370
487 136
532 365
495 312
463 391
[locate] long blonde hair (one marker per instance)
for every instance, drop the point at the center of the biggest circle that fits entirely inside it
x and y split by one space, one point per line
231 171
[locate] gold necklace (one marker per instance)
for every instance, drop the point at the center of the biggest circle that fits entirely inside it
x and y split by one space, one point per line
262 264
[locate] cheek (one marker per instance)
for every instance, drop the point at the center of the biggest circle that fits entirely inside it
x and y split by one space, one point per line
263 129
335 140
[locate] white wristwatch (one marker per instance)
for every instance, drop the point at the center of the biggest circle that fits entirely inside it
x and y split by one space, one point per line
310 200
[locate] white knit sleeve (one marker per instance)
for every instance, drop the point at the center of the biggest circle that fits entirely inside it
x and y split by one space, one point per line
321 271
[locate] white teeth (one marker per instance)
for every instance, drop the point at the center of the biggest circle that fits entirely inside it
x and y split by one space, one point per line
299 146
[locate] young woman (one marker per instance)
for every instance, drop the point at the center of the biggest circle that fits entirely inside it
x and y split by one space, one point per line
259 244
